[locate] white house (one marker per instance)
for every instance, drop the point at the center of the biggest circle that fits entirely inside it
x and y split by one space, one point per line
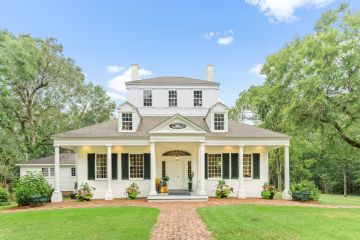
45 165
171 126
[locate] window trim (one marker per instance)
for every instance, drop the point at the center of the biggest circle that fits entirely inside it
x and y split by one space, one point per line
151 98
251 166
130 178
96 159
132 122
221 163
219 130
173 90
198 106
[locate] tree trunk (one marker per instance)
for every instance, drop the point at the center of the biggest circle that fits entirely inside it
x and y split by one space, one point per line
345 184
278 169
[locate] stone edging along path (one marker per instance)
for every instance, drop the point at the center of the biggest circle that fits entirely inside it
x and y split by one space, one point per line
177 220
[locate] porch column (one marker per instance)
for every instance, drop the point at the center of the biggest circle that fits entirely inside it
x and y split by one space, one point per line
286 192
241 172
109 193
202 168
152 169
57 195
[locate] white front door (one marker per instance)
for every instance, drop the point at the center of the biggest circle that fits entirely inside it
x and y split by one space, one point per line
175 170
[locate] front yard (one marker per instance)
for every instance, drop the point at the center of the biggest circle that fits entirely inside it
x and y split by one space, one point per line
86 223
281 222
333 199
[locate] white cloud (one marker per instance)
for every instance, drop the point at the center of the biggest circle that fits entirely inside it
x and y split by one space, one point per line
284 10
256 70
114 69
225 40
117 84
222 38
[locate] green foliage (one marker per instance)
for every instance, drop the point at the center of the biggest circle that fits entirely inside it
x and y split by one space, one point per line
85 192
132 191
269 191
306 186
4 197
223 190
32 186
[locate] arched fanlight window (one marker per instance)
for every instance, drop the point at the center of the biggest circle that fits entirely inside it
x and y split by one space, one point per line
176 153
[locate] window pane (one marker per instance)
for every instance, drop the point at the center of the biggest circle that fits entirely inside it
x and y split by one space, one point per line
52 172
219 120
45 172
247 165
127 121
163 169
101 168
214 165
147 98
73 172
136 165
197 98
172 98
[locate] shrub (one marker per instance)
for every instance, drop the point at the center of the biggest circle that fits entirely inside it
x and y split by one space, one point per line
222 189
85 192
269 191
29 188
4 197
305 187
132 191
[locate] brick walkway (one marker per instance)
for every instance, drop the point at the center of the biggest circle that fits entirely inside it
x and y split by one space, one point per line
177 220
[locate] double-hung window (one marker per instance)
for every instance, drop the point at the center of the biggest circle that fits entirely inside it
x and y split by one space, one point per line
73 172
214 165
197 98
219 121
247 165
147 98
52 172
172 98
45 172
136 166
127 121
101 166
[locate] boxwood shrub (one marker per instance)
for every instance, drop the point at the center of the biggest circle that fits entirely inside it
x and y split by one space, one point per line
4 197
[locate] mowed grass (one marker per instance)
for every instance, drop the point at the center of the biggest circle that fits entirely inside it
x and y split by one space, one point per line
332 199
281 222
86 223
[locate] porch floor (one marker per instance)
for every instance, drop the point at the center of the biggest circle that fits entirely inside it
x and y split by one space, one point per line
177 195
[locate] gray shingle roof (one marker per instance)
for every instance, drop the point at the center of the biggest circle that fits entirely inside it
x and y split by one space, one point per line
110 129
65 158
175 81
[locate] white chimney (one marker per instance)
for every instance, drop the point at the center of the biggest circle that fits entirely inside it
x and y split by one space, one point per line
210 72
135 72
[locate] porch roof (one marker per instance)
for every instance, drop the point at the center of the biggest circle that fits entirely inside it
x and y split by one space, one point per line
110 129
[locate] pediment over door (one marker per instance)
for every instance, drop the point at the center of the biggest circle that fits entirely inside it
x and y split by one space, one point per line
177 124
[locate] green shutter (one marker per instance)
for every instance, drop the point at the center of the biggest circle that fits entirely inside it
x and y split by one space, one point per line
234 166
114 168
206 166
225 165
91 166
256 165
147 166
125 166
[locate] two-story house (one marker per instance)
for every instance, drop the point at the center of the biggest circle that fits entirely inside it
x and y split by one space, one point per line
172 126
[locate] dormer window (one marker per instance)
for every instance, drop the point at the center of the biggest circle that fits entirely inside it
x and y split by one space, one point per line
197 98
172 98
219 121
147 98
127 121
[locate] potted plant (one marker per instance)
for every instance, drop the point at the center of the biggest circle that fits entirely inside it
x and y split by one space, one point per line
132 191
85 192
158 184
223 190
190 184
269 191
164 188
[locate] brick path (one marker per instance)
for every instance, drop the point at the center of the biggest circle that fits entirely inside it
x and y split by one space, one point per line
177 220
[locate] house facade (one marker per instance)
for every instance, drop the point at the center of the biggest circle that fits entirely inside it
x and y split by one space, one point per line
171 126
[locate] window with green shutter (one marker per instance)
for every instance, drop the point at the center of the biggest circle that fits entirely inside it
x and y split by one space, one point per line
114 166
225 165
91 166
234 166
256 165
125 166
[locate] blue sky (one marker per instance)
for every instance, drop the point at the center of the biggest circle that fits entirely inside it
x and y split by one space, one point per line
168 38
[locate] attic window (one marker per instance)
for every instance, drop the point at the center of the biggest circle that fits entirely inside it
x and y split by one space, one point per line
126 121
219 121
177 125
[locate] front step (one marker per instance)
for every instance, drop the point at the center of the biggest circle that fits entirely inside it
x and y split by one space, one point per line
179 198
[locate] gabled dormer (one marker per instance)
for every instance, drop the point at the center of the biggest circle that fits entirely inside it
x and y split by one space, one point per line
129 118
217 118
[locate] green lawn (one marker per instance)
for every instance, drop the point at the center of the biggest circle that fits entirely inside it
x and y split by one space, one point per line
281 222
86 223
332 199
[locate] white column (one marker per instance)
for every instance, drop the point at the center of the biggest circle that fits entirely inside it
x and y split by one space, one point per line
109 193
202 168
286 192
241 193
198 171
57 195
152 169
